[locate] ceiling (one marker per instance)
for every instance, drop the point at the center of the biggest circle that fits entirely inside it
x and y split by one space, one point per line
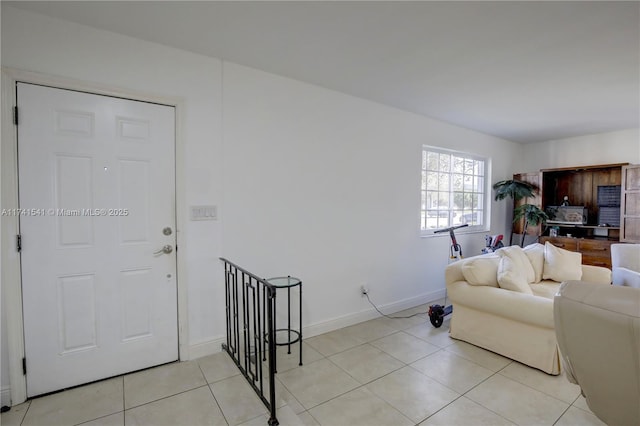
522 71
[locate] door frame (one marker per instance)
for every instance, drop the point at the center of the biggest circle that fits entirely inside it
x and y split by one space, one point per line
11 280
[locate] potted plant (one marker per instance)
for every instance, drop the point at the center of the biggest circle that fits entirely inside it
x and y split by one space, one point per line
517 190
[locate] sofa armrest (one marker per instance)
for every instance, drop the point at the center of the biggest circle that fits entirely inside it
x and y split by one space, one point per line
453 272
509 304
625 277
596 274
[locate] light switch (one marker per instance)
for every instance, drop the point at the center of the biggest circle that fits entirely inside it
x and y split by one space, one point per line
204 212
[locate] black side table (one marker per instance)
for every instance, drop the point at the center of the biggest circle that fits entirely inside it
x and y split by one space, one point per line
292 336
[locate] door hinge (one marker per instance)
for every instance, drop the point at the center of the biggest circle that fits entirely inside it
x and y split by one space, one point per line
15 115
24 366
19 243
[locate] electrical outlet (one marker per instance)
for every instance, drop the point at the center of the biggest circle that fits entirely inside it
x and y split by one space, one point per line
364 289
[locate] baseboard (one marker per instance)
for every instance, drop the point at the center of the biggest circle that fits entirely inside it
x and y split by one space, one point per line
371 313
210 347
5 396
205 348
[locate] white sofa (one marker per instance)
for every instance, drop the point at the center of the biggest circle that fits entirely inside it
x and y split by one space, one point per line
596 323
625 264
503 301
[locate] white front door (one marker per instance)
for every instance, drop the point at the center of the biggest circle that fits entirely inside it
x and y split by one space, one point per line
97 205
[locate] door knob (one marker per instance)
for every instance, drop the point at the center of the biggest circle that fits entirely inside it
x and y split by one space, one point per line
164 250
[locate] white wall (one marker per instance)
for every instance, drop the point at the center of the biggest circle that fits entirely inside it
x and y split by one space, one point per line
309 182
326 187
605 148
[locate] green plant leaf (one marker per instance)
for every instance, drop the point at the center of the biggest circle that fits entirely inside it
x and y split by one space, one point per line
513 188
531 213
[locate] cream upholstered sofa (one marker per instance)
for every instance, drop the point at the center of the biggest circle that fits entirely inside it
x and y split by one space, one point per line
503 301
598 329
625 265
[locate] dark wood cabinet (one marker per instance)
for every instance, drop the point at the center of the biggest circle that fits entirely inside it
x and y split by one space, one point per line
582 186
630 205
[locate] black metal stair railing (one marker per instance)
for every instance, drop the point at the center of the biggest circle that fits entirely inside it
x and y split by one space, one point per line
250 303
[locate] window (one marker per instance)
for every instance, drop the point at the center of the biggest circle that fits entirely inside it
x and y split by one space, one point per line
454 190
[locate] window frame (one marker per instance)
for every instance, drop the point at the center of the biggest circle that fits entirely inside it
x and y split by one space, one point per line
454 213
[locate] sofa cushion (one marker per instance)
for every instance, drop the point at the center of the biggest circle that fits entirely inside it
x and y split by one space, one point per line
481 270
535 253
546 289
511 277
560 264
520 262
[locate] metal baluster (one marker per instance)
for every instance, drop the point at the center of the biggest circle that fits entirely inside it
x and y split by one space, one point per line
271 294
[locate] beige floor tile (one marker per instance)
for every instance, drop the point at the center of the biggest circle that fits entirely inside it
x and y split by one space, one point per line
453 371
286 361
405 347
112 420
581 403
237 400
14 416
218 366
463 411
358 407
435 336
285 415
377 364
556 386
413 394
306 419
577 417
283 396
286 398
257 421
402 323
330 391
317 382
161 382
369 330
517 402
420 311
485 358
195 407
77 405
333 342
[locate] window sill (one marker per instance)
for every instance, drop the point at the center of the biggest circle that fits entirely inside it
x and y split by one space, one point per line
458 232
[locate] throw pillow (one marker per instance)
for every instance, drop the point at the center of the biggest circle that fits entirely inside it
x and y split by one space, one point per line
520 260
481 270
535 253
560 264
510 276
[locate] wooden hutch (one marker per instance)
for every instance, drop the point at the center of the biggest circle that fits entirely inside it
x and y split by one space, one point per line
583 185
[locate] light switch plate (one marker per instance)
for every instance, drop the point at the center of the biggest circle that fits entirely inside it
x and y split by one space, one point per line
204 212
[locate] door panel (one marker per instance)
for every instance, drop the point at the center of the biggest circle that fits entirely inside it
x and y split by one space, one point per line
133 192
97 174
77 313
72 190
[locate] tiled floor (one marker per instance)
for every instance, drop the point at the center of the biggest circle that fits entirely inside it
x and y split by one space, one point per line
380 372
